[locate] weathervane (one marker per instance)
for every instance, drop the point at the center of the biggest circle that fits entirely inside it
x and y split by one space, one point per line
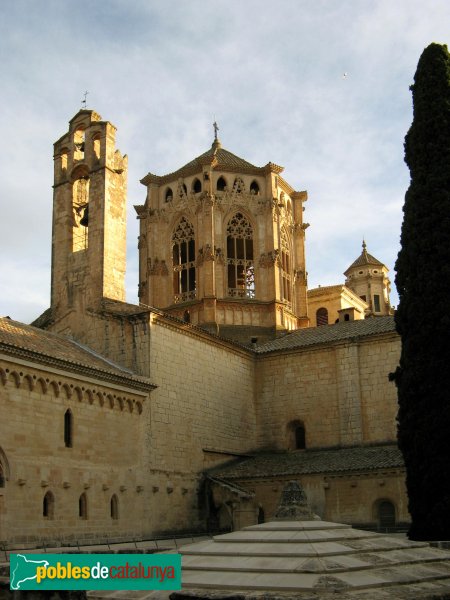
84 101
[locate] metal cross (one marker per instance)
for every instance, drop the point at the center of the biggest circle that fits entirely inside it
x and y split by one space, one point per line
216 129
84 101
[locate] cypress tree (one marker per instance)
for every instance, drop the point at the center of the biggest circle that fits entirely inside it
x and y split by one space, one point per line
423 316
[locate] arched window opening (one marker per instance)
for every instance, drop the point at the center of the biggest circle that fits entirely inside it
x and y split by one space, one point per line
241 270
221 184
321 317
79 143
80 213
68 428
169 195
183 254
114 507
386 514
296 434
197 186
48 506
286 277
82 506
187 316
254 188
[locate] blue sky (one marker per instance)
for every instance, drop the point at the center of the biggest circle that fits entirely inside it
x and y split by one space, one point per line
271 74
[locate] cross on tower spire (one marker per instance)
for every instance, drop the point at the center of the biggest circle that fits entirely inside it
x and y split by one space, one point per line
216 129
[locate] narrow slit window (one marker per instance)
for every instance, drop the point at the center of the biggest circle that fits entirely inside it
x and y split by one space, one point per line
68 429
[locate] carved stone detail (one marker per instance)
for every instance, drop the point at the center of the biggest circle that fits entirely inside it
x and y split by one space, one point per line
301 276
157 267
142 240
270 259
206 254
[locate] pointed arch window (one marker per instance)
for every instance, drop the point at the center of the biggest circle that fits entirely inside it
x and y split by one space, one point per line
286 272
169 195
68 428
48 505
240 265
197 186
114 507
254 187
183 256
221 184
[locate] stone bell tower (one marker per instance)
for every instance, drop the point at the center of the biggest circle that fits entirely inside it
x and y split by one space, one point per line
222 246
89 216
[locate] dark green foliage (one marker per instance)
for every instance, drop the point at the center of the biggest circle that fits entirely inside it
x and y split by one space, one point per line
423 316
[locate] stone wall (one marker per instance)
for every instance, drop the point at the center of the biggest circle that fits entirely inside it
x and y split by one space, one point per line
104 459
202 413
340 392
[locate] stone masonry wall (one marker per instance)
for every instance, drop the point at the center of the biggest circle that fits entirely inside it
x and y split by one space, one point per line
204 401
105 458
340 392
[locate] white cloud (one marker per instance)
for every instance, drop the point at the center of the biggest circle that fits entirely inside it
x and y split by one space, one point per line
161 72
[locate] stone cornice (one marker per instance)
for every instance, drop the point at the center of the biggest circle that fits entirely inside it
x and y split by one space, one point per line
129 381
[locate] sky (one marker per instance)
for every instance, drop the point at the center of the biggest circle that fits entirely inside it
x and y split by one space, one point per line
319 87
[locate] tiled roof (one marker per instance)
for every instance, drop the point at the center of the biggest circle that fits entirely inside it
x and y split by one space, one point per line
223 159
365 259
327 334
303 462
45 347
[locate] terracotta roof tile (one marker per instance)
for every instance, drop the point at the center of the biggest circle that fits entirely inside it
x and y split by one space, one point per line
223 159
327 334
53 349
303 462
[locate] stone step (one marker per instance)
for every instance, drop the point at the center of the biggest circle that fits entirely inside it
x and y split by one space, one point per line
322 549
324 566
268 581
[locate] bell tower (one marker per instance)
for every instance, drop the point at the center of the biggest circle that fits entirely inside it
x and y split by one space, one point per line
89 216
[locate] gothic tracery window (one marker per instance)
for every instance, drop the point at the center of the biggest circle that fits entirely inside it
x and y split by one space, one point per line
286 277
183 256
241 270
